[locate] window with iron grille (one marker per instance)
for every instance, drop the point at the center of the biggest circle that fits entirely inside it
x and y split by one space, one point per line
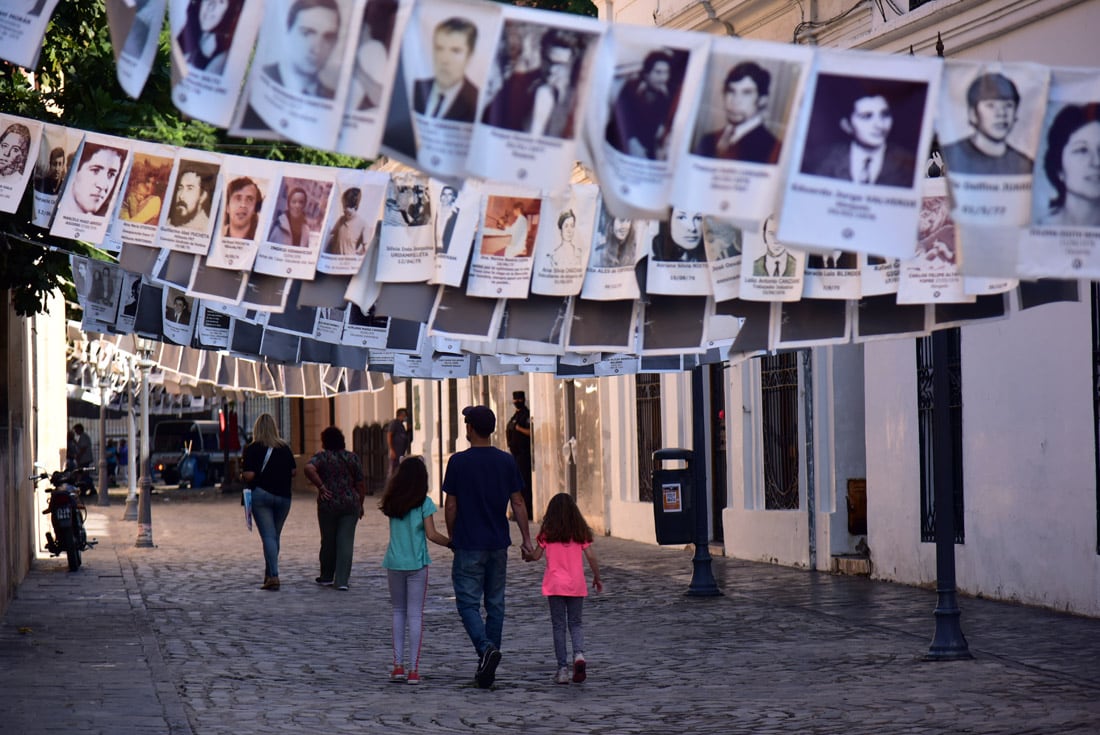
779 429
648 392
914 4
925 401
1096 399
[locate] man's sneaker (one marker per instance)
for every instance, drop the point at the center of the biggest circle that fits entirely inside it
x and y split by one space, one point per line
579 673
398 674
563 676
323 582
343 588
414 678
487 667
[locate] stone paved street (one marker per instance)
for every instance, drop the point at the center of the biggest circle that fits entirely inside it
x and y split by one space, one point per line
180 640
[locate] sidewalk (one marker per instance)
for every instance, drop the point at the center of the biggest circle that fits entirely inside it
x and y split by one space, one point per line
180 640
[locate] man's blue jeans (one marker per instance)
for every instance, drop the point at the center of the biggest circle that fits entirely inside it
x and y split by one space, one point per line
478 577
269 512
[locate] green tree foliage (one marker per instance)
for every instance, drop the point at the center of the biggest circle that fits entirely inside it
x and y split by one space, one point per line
575 7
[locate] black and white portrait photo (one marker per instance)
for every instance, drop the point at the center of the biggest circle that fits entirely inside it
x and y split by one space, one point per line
751 105
647 92
865 130
992 111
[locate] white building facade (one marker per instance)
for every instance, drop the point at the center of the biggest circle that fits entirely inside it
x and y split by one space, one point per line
1028 448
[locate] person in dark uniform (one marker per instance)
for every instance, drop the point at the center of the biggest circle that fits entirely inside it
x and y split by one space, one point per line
519 444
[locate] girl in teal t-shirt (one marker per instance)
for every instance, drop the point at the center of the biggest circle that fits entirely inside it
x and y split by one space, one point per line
406 503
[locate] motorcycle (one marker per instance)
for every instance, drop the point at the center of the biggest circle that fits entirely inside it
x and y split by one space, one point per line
67 516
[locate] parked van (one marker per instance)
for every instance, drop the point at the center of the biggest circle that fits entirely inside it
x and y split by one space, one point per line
187 453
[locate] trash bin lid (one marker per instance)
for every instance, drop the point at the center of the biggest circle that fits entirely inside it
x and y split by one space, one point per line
662 455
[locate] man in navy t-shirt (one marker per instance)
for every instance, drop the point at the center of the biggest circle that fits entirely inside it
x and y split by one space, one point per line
480 483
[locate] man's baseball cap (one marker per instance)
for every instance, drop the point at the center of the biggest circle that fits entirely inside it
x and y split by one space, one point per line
481 419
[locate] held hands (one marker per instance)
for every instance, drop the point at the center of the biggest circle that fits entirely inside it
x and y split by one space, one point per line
527 552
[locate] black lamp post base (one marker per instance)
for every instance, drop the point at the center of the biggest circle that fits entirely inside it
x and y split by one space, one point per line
948 642
703 583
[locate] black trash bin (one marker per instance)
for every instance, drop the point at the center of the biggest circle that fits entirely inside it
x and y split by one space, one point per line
673 497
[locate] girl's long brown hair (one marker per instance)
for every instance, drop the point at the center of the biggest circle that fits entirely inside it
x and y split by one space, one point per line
563 521
406 489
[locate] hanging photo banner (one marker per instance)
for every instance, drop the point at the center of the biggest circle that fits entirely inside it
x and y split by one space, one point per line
55 151
179 316
85 206
501 264
135 34
293 240
446 55
1064 239
99 285
745 117
22 28
931 275
128 303
534 325
616 249
298 81
187 222
677 262
809 322
878 275
643 95
770 269
988 124
374 65
224 287
19 142
831 275
723 241
454 224
212 329
353 221
456 314
406 251
532 103
248 184
673 325
211 45
602 326
561 252
137 213
852 179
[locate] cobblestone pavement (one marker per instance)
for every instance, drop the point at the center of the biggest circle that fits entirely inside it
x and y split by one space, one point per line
180 640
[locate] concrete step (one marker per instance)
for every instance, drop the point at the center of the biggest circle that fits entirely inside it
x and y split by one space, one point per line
858 565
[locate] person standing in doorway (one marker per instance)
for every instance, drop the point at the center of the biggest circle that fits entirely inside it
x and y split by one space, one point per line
480 483
267 466
341 489
397 439
518 433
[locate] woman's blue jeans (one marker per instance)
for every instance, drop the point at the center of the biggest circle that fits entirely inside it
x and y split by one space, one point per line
269 513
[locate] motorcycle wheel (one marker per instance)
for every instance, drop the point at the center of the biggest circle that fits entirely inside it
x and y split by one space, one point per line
71 550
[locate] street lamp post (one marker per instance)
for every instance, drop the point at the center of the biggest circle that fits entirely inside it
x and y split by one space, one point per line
101 466
145 515
131 512
103 361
